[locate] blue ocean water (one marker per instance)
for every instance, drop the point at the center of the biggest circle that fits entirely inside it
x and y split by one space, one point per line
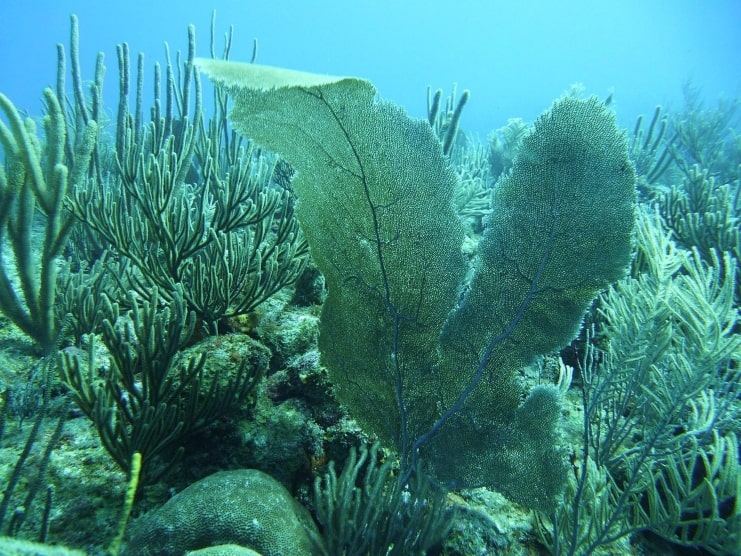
514 56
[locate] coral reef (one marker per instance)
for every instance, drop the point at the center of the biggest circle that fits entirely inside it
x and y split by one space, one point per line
150 324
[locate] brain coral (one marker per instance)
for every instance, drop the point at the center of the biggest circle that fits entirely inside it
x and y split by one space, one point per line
243 507
224 550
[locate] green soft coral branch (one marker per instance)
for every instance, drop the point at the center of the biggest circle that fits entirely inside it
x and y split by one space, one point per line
36 177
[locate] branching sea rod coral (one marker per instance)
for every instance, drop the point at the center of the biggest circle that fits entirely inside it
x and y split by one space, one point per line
36 177
189 222
190 205
153 398
661 409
